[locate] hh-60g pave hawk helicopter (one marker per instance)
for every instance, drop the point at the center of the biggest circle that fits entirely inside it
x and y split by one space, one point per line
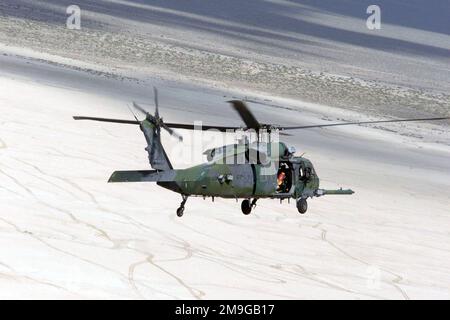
248 171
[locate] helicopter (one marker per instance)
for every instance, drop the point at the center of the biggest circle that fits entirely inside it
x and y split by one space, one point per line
263 169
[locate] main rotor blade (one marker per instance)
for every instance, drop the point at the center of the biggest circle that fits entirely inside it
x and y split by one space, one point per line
155 92
361 122
246 115
106 120
203 127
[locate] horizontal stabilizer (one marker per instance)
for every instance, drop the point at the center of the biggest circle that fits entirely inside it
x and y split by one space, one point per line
143 176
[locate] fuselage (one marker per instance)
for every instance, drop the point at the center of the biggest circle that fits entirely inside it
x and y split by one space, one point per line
246 180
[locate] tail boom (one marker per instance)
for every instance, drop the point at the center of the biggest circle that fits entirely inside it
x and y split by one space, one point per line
143 176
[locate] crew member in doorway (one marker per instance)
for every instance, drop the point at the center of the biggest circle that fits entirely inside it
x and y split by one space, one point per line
281 181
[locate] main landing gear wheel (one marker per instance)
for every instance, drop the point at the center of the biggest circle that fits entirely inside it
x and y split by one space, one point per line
302 206
246 207
180 210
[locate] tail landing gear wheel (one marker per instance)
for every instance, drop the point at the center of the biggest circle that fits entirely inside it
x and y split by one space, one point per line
180 211
246 207
302 206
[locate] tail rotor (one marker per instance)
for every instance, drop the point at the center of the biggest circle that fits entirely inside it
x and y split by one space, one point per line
156 119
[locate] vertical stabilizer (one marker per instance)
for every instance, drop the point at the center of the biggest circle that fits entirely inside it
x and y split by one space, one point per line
156 154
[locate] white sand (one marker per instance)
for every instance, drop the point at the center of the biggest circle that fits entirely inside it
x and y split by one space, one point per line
66 233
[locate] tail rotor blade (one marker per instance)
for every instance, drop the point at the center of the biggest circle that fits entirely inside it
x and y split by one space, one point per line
138 107
155 92
134 115
172 132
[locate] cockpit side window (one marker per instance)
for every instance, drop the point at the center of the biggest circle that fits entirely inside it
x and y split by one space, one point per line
305 172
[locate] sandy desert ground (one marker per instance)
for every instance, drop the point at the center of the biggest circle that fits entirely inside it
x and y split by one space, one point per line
66 233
